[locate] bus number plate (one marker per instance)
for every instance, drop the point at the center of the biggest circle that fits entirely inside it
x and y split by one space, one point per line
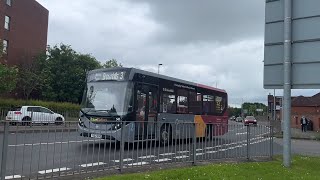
96 136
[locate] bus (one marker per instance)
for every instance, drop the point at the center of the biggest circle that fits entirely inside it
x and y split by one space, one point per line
129 104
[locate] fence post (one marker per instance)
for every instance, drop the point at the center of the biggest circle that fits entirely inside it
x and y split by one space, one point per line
122 146
271 142
194 143
4 150
248 142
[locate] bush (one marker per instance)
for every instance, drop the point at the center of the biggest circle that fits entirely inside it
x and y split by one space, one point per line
54 106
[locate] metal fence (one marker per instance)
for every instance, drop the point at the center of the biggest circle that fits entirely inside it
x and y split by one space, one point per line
39 151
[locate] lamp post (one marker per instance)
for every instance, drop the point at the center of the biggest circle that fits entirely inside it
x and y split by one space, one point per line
159 67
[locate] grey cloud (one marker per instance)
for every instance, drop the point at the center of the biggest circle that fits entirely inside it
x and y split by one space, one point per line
197 41
189 21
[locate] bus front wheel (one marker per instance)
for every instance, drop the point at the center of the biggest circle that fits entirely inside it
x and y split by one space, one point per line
165 134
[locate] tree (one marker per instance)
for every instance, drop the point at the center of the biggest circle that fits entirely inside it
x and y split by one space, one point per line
30 76
252 107
65 74
233 111
112 63
8 78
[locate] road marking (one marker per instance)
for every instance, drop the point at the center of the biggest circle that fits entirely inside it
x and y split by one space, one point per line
149 156
162 160
241 133
199 154
124 160
92 164
181 152
181 157
13 177
52 143
137 164
199 149
167 154
211 152
53 170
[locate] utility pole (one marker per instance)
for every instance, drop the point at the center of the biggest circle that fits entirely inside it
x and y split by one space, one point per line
274 104
287 82
159 67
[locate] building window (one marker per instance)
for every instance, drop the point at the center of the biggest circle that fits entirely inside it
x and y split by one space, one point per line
7 22
5 46
8 2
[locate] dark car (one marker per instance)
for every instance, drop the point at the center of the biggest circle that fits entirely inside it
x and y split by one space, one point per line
250 120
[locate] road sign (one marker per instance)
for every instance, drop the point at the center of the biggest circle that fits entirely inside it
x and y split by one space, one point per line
259 110
305 50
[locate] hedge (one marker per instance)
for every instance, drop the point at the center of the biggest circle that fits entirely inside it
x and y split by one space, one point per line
55 106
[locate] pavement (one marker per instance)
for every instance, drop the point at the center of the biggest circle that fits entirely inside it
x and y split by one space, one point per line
298 134
302 147
54 153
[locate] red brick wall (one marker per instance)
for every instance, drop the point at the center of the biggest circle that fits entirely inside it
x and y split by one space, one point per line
28 29
311 113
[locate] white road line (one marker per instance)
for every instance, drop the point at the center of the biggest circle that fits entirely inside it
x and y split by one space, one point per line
181 152
211 152
51 143
199 154
137 164
92 164
241 133
124 160
13 177
167 154
199 149
162 160
53 170
181 157
146 157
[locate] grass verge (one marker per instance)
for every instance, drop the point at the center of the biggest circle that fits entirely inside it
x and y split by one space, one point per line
303 167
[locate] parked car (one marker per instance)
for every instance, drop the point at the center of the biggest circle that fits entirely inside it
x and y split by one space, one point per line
239 119
250 120
232 118
33 114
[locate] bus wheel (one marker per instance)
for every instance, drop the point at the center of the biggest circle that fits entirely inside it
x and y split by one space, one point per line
209 133
165 134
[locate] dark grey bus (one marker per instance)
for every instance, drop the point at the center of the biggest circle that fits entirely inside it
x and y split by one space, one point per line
129 104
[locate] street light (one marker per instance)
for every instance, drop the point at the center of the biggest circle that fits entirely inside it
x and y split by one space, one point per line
159 67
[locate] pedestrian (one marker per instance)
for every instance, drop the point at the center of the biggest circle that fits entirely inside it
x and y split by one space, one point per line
304 123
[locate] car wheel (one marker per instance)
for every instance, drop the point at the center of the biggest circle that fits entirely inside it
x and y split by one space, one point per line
13 123
26 121
165 134
58 121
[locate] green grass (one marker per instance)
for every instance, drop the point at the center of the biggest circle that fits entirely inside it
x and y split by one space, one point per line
303 167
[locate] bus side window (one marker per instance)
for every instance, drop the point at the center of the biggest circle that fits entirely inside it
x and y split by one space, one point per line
208 104
182 106
195 106
168 103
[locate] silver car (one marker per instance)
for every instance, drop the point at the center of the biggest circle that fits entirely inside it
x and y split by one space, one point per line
239 119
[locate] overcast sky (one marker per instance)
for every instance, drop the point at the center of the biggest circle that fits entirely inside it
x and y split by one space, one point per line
213 42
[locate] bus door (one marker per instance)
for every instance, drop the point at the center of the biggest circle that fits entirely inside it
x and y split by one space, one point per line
146 112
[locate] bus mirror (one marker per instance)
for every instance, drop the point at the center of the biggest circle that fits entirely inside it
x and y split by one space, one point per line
130 109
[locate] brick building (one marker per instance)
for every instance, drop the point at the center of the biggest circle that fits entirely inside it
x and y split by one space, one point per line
308 107
24 30
300 106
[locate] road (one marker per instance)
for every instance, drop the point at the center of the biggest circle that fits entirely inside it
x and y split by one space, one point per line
47 152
